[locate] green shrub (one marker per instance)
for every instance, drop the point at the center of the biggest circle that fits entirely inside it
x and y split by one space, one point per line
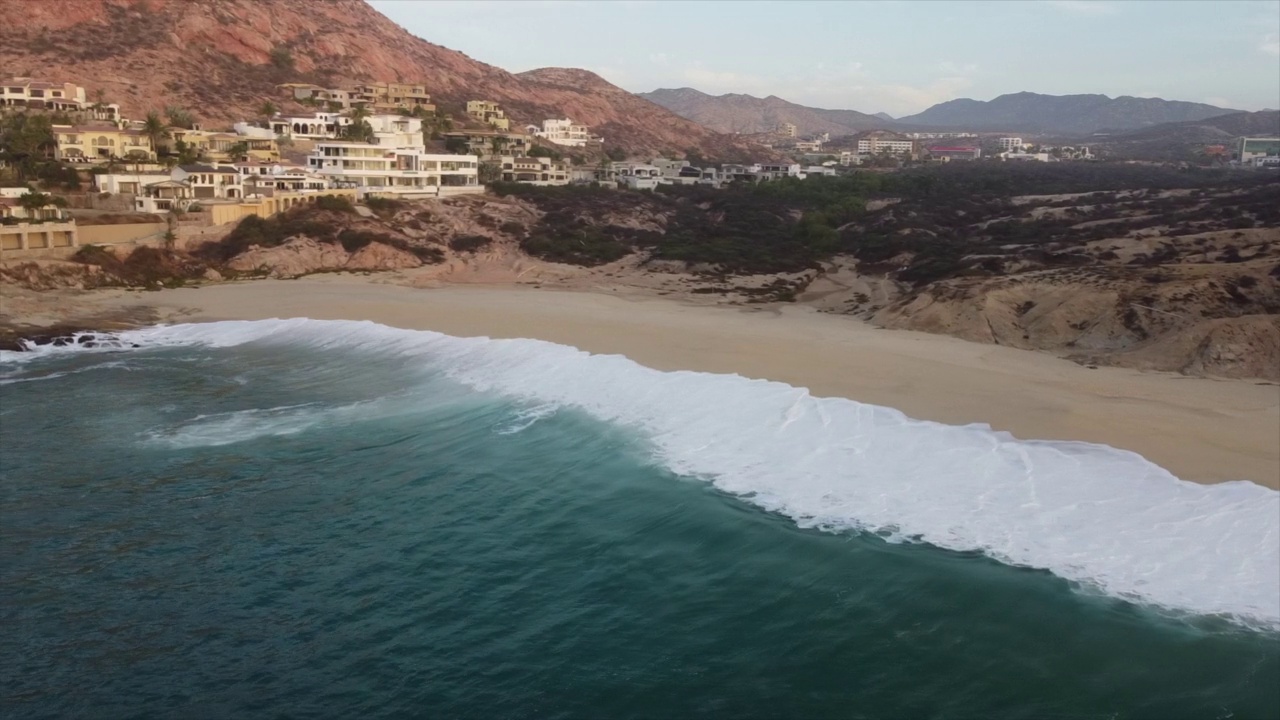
335 203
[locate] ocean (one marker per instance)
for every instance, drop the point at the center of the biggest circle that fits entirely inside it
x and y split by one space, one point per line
321 519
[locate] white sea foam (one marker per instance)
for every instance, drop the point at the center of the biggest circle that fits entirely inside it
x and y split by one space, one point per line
1103 517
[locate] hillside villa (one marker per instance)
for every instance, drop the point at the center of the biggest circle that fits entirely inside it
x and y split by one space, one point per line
534 170
488 113
100 141
564 132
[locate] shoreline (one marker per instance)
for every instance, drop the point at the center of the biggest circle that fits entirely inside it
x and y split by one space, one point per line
1201 430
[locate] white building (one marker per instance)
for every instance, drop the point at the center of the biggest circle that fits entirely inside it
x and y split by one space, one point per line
564 132
1011 144
211 182
407 171
534 170
778 170
1032 157
818 171
127 183
875 146
268 178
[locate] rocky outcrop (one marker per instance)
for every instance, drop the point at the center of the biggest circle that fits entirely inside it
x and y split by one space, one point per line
1200 321
223 58
302 255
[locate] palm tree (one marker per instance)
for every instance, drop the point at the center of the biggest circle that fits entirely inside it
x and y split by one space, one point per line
155 128
358 113
498 144
268 110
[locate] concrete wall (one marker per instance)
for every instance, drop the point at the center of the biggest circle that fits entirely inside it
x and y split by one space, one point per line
37 240
223 213
131 233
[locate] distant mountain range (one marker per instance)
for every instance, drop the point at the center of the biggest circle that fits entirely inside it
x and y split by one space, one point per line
1223 128
746 114
1023 112
1029 112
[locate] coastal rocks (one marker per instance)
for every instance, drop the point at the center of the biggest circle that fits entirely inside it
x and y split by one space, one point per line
377 256
297 256
212 275
302 255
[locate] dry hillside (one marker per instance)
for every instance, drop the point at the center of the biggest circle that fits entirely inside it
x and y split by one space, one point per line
215 57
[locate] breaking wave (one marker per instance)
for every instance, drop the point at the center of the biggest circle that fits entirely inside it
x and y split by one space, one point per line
1104 518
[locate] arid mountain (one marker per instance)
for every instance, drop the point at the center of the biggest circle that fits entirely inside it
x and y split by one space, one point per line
1069 114
1217 129
734 113
222 58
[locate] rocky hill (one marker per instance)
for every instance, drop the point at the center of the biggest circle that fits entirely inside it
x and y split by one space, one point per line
1067 114
735 113
222 58
1217 129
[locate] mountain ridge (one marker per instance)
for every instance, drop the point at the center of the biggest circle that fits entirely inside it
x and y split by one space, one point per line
742 113
1072 114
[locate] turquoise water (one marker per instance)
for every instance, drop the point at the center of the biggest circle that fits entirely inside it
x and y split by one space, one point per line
336 520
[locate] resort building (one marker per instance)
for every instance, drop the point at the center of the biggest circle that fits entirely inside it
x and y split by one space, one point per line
394 163
489 113
100 141
877 145
786 129
564 132
534 170
1011 144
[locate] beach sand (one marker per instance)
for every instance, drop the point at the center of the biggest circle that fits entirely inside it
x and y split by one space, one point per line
1202 430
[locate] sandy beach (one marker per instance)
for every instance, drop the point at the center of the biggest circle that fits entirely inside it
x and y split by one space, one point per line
1202 430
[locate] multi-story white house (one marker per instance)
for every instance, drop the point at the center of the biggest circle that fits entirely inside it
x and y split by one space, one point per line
778 170
39 94
211 182
564 132
394 162
1011 144
534 170
636 176
268 178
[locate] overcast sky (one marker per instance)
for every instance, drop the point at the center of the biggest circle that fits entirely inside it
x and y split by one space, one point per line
893 56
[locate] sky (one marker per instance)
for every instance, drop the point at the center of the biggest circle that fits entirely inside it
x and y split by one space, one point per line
894 56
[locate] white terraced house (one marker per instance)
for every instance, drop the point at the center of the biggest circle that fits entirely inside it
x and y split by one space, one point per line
309 127
377 169
564 132
395 162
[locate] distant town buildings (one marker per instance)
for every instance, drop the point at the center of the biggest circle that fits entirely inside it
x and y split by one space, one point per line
947 153
1011 144
1254 150
786 129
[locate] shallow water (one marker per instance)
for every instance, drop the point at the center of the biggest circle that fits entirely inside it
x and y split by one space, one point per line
341 520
